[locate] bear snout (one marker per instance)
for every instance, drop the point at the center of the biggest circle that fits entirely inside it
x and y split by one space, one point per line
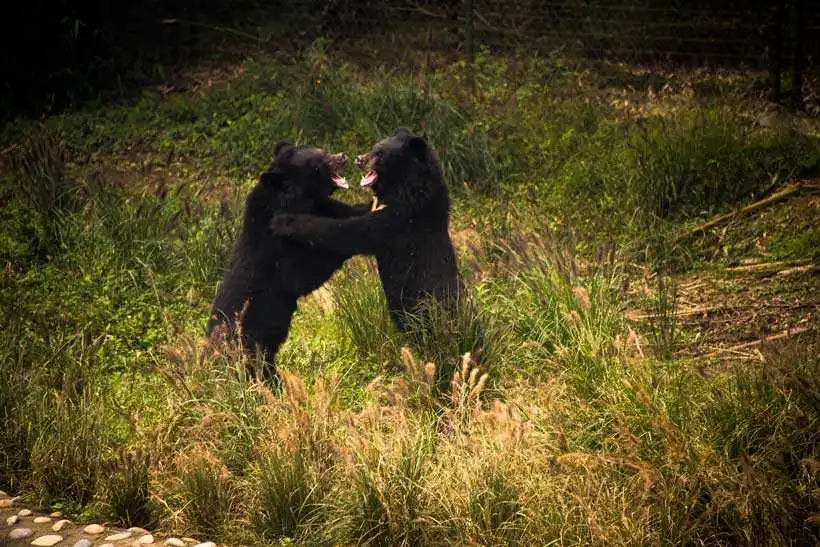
337 161
362 160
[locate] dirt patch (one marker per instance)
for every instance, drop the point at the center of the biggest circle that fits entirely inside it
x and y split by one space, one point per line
761 288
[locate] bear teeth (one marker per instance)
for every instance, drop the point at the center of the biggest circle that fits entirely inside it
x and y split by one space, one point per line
369 178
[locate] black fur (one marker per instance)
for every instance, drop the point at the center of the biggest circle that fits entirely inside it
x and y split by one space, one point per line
409 237
267 274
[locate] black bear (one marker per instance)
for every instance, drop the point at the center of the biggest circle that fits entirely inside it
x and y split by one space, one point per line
407 228
267 274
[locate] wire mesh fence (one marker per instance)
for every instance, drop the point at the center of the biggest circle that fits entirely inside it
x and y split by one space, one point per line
782 37
61 55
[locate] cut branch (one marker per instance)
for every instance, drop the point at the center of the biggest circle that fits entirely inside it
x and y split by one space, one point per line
769 267
788 333
724 218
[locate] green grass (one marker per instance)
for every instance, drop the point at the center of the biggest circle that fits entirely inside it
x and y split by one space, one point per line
531 416
801 245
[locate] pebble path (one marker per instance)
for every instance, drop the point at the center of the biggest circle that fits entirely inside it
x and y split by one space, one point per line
20 526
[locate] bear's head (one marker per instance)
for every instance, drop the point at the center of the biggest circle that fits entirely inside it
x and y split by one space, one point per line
305 171
401 167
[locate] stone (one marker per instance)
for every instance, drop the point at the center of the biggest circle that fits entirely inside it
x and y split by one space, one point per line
41 520
83 543
175 542
60 524
56 514
206 544
94 529
12 520
24 513
47 541
137 530
4 503
118 537
147 539
190 540
20 533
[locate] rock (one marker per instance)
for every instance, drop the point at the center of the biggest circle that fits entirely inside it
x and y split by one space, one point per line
137 530
56 514
41 520
12 520
190 540
206 544
147 539
118 537
83 543
47 541
60 524
4 503
24 513
20 533
94 529
175 542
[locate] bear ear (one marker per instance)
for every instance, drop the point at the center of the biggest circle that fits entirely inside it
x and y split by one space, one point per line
418 147
402 132
282 147
272 179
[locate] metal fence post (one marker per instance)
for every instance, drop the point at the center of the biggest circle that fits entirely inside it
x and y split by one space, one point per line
469 38
798 59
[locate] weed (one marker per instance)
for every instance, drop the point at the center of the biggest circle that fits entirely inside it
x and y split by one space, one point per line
288 494
386 504
440 333
126 491
360 311
209 491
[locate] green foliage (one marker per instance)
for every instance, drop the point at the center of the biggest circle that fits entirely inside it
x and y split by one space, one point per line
805 244
386 504
494 507
288 496
126 491
361 315
703 160
571 322
442 335
209 491
68 449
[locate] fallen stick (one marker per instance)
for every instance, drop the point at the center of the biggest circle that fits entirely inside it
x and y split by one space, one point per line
724 218
633 315
684 313
809 268
769 267
779 336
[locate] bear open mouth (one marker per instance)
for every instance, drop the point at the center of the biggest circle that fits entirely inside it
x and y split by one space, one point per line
336 162
340 181
369 179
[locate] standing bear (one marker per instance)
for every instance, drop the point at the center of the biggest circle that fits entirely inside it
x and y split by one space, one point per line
406 230
268 273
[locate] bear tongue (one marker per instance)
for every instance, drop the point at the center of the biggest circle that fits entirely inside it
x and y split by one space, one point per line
340 181
369 179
